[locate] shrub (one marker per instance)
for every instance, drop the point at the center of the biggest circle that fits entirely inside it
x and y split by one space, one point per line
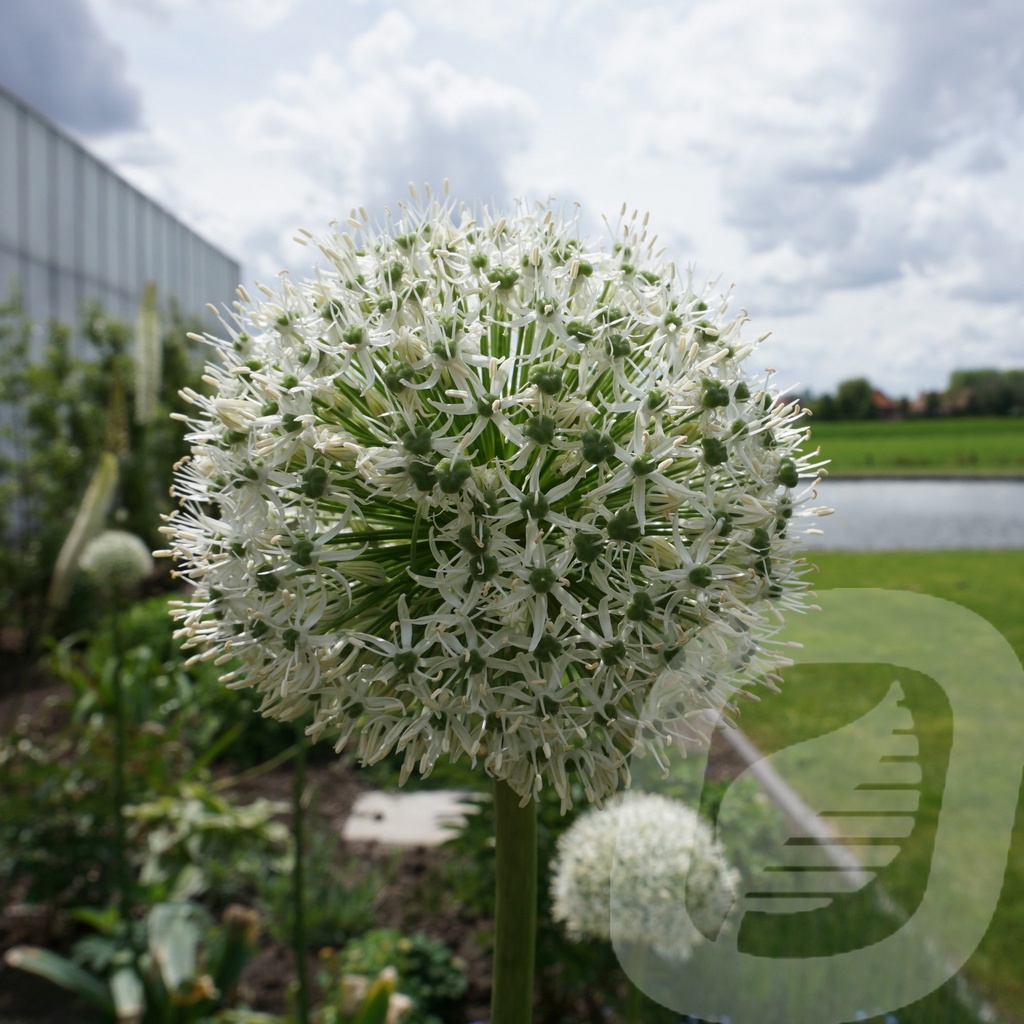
427 970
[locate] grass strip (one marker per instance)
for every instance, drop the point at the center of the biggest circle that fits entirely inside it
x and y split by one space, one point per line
819 699
954 446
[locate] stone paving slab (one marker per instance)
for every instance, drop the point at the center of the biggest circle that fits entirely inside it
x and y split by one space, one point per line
407 819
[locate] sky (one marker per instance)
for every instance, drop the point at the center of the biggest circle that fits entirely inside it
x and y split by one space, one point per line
853 171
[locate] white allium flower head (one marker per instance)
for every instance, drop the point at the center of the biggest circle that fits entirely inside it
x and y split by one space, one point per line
116 560
645 870
481 486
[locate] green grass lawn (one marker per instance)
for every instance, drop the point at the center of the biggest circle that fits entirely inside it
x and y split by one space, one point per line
819 699
962 446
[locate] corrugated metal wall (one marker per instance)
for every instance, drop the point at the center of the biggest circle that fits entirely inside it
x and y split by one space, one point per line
71 230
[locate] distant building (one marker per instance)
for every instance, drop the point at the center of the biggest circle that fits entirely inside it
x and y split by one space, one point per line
885 407
71 231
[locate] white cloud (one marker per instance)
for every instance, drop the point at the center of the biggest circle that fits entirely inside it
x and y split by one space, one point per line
56 58
845 138
257 15
495 21
354 130
854 164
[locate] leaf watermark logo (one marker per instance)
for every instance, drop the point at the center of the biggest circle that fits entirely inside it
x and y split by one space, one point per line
863 781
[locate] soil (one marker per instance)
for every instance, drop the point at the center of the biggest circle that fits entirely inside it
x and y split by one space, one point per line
412 899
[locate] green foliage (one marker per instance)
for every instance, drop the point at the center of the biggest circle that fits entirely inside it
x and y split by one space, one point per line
341 898
354 999
63 401
987 392
56 818
977 392
57 824
855 400
196 841
158 686
173 967
756 825
428 973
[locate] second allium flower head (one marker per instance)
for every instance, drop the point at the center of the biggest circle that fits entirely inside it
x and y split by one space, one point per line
478 486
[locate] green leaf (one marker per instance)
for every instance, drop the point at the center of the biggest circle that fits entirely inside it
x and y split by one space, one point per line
87 523
129 995
63 972
174 933
375 1006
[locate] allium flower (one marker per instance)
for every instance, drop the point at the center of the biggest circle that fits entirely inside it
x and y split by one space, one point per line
645 870
116 560
480 486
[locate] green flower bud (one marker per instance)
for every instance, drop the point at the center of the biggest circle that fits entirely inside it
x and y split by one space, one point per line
640 608
700 575
548 379
588 546
618 346
423 474
542 579
266 580
788 475
624 526
714 394
597 447
302 551
452 474
540 429
314 482
715 452
418 441
548 648
535 505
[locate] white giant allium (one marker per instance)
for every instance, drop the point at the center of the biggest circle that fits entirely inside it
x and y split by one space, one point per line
481 486
644 870
116 560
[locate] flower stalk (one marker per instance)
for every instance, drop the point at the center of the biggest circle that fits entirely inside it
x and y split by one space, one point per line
300 938
515 926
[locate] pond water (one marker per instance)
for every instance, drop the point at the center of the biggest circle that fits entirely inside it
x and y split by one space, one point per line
880 515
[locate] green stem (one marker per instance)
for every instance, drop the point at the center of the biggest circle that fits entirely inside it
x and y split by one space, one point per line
634 961
634 1002
299 938
121 866
515 926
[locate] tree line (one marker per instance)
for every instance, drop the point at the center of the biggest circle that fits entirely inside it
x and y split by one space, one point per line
982 392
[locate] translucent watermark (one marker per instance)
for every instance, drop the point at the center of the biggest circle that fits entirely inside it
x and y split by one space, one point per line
865 777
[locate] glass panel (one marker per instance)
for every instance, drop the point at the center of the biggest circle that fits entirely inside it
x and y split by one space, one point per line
172 279
130 235
66 205
9 274
188 283
113 221
36 192
154 246
8 174
68 304
93 225
37 292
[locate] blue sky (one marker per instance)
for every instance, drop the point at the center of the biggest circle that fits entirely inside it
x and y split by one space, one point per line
852 170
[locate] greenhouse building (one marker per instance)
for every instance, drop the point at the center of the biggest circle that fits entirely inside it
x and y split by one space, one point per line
72 231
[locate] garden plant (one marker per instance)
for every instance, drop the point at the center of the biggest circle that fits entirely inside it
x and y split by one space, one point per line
478 487
197 753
